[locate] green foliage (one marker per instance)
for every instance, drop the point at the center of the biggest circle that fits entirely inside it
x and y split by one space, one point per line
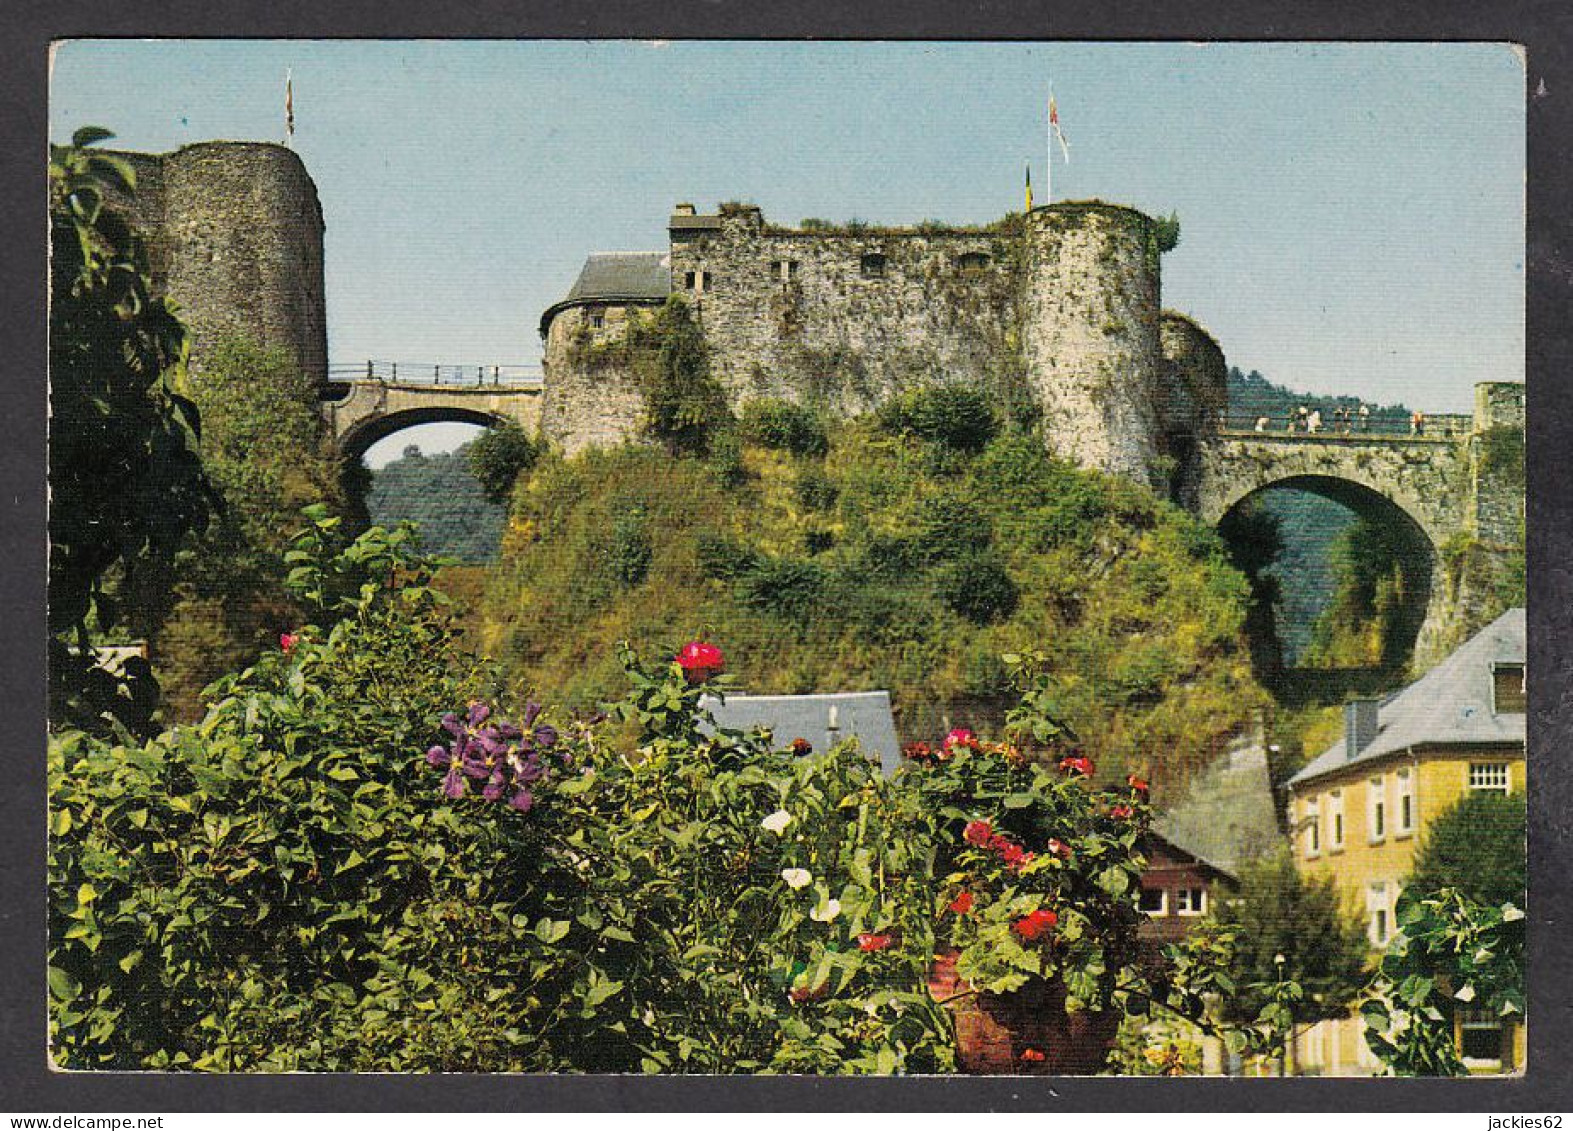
1477 848
784 426
845 585
498 456
955 416
442 496
1502 454
684 404
1166 230
1451 952
127 488
1365 622
628 549
1280 913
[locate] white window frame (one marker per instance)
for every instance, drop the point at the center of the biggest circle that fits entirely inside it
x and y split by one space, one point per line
1163 902
1480 1019
1376 809
1523 686
1491 777
1313 828
1378 903
1335 819
1182 901
1404 787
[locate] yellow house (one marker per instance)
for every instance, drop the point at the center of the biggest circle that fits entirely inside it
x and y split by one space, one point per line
1359 811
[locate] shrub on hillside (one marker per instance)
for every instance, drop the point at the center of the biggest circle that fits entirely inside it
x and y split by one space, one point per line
784 426
977 586
499 455
951 415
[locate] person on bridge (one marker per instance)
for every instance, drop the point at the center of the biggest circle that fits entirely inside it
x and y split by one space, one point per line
1313 422
1365 417
1261 423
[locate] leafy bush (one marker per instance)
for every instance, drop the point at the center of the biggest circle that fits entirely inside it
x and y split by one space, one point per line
978 587
1477 848
785 587
951 415
724 558
726 459
498 456
1166 232
628 547
816 491
784 426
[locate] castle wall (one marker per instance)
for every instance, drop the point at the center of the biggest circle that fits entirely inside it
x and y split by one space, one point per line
588 402
1190 400
836 327
234 234
1090 333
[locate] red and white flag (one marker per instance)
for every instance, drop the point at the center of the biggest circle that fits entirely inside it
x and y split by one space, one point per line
1054 127
289 105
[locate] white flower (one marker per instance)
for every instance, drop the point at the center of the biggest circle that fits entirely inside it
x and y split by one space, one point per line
825 912
777 821
796 877
1510 913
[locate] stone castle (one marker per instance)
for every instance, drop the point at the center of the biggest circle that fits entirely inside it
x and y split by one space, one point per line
1064 301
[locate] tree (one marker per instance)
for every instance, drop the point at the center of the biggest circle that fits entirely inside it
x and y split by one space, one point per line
1277 911
498 457
1477 848
126 482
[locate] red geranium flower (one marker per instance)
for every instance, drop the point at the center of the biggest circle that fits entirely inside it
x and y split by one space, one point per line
1077 764
1031 1054
287 642
802 747
1136 783
1009 851
1122 812
1031 926
874 942
700 660
961 736
962 904
978 833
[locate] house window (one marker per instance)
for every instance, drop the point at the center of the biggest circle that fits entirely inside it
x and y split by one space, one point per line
597 319
1480 1038
1313 829
783 270
1190 901
1379 917
1507 689
1155 901
697 281
1376 808
1489 777
873 266
1335 806
972 263
1406 803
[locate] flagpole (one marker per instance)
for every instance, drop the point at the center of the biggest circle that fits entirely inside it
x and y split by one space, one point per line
1048 168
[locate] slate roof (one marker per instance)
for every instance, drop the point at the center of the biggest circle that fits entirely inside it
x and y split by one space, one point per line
865 714
1227 818
1448 706
618 276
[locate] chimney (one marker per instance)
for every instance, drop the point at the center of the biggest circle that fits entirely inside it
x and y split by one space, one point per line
1359 726
683 210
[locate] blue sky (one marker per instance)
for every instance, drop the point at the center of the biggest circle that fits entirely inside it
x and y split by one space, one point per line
1352 214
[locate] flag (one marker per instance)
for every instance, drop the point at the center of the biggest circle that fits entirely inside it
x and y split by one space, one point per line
1029 186
289 105
1054 125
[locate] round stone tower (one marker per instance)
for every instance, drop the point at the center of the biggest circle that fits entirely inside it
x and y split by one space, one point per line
1192 399
238 236
1091 336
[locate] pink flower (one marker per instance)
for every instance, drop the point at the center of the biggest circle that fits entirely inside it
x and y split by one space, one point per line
1122 812
1059 848
287 642
700 661
961 736
1077 764
873 942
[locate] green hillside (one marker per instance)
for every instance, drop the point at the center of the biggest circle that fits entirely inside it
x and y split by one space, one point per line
441 495
886 562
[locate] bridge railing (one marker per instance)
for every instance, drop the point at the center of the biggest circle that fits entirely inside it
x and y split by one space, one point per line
432 373
1433 425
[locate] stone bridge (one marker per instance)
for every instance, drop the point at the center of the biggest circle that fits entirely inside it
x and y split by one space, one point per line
369 410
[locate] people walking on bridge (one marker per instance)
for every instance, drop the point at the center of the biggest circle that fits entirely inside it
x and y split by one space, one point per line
1304 416
1289 421
1313 423
1261 423
1365 417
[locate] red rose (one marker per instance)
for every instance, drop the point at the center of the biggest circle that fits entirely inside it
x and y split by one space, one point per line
978 833
961 736
700 660
962 904
1122 812
1010 852
1031 1054
287 642
873 942
1136 783
1031 926
1077 764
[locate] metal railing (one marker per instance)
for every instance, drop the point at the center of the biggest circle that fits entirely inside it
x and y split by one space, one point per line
1432 426
431 373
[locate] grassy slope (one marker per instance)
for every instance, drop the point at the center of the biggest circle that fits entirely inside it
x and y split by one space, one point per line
1131 599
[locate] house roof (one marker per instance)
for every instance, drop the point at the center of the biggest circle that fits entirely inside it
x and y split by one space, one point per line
863 714
618 276
1451 705
1227 818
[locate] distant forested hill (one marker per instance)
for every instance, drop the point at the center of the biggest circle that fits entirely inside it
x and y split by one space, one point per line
1252 395
439 493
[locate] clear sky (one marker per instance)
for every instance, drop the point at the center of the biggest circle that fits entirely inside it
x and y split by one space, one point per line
1352 214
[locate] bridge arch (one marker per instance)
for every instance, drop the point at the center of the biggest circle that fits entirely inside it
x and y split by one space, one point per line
354 442
372 410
